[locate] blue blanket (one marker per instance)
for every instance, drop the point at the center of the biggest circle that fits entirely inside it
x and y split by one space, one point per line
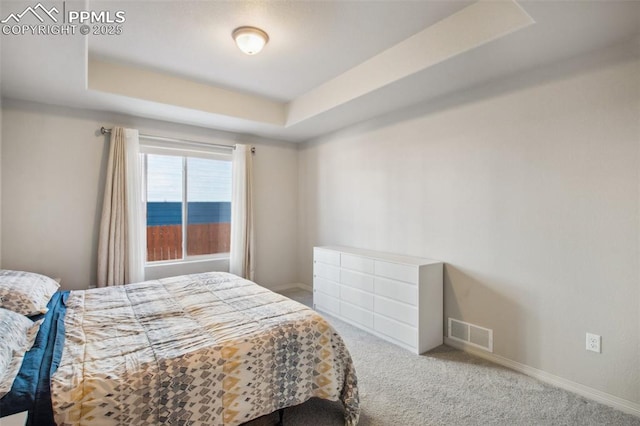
31 389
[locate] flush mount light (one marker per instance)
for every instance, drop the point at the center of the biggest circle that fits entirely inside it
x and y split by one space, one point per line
250 40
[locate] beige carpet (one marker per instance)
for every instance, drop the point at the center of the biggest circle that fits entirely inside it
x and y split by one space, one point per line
443 387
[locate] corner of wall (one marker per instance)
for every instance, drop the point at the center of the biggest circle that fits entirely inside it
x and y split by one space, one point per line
302 217
0 176
298 272
0 146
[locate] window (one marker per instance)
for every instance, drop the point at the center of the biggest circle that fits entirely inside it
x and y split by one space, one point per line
188 201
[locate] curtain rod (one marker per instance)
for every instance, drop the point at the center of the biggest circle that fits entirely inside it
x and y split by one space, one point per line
106 131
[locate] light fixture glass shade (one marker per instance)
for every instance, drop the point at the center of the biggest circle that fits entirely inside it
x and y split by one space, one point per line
250 40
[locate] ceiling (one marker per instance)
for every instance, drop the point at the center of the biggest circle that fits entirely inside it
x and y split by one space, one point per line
328 64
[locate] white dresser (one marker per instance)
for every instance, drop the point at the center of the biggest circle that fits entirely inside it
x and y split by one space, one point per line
397 298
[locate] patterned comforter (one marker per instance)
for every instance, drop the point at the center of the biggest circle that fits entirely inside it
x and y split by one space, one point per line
209 349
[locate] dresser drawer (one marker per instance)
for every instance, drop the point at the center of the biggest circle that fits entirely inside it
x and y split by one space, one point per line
356 314
397 271
396 310
322 270
326 303
397 290
396 330
327 287
356 280
357 263
326 256
357 297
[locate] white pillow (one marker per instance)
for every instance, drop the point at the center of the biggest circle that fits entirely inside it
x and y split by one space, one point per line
18 335
26 293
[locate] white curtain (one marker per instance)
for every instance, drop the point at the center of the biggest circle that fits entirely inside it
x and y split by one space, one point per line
121 245
242 259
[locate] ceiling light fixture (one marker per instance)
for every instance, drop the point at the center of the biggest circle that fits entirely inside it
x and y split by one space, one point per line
250 40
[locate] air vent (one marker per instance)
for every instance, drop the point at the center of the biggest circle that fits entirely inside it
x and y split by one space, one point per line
471 334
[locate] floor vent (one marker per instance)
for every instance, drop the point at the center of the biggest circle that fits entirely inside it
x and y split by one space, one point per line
471 334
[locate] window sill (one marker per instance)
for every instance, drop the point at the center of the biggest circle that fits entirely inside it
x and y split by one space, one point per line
184 267
160 263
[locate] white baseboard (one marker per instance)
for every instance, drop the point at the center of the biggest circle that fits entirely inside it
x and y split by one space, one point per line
586 391
305 287
291 286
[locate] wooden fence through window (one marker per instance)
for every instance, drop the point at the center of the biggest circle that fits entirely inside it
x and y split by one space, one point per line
164 242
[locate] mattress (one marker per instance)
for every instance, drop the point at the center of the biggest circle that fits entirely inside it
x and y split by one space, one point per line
210 349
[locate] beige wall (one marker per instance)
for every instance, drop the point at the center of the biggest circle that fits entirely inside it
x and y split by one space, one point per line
0 179
0 175
528 189
1 143
53 171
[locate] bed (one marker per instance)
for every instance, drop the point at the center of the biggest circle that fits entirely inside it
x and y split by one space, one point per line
210 349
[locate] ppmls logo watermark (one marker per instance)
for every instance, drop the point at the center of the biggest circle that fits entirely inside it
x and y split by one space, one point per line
42 20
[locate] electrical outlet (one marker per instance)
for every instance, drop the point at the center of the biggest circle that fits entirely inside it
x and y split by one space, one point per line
593 342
